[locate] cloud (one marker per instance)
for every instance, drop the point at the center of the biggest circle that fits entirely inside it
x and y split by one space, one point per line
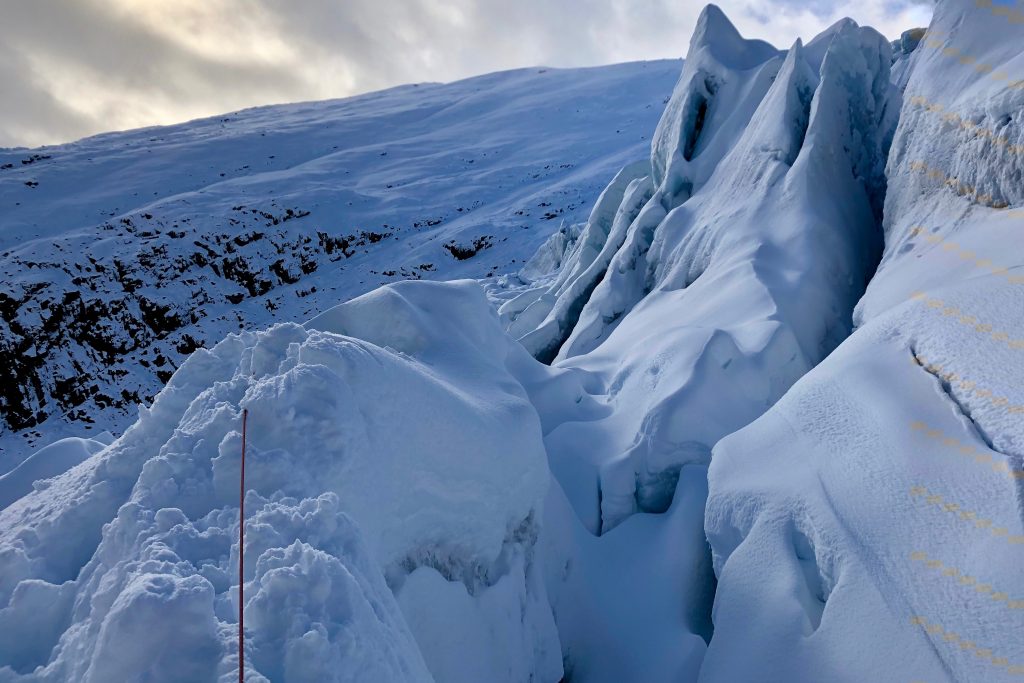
69 68
827 9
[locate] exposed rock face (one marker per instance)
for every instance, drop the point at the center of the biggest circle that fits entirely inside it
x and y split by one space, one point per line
71 331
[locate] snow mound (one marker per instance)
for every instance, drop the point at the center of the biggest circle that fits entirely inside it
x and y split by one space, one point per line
390 454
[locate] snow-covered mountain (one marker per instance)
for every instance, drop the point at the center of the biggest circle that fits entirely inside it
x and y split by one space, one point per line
757 417
123 253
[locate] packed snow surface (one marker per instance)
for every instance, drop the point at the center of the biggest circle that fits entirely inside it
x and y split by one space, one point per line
755 415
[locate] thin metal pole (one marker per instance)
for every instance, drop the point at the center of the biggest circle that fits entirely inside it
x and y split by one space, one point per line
241 559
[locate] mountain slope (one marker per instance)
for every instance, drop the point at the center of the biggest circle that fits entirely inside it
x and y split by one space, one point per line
123 253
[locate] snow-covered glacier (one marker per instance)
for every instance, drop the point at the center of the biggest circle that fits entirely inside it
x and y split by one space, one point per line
759 417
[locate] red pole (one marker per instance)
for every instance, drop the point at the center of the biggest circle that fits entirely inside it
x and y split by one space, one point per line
241 558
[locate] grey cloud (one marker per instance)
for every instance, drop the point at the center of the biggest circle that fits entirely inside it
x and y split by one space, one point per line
74 67
112 53
27 110
820 8
827 9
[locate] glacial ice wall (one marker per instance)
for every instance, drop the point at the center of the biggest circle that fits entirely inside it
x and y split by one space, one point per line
732 266
871 525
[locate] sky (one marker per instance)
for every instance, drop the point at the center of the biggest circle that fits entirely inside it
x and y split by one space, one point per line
72 68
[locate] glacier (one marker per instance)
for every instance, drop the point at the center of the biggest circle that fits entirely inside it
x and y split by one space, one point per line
756 417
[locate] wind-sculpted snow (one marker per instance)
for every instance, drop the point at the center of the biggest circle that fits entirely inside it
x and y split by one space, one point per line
543 318
394 465
734 268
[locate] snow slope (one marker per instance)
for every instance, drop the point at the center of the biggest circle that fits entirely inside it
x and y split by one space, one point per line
124 252
774 432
